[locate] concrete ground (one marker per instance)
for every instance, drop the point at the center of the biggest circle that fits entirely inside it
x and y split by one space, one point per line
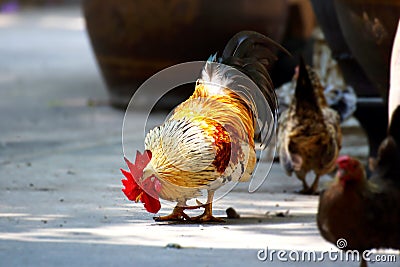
60 192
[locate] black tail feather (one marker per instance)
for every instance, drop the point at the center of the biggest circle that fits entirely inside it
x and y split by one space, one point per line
250 44
253 53
304 93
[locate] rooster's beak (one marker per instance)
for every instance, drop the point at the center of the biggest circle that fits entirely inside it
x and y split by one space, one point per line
148 171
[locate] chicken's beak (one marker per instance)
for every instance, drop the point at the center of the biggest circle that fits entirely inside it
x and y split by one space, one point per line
148 171
342 172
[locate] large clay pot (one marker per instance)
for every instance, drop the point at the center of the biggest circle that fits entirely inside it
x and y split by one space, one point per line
363 61
369 27
134 39
353 73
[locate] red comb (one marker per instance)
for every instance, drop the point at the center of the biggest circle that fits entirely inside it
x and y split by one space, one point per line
135 190
343 158
131 190
141 161
345 162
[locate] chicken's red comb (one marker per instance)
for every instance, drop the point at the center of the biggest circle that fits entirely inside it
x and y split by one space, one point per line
131 188
343 158
141 161
136 190
345 162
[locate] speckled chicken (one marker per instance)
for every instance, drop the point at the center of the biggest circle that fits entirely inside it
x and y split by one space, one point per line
208 140
309 136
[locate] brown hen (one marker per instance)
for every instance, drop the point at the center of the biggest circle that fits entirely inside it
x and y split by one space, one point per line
309 136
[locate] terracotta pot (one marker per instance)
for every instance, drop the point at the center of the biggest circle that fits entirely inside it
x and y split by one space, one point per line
352 72
362 55
135 39
369 28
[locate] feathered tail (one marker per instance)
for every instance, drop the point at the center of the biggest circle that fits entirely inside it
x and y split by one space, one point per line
306 91
252 54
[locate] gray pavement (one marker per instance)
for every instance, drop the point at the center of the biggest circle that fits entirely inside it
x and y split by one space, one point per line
60 193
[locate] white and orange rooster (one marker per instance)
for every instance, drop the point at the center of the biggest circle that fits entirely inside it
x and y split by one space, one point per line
209 139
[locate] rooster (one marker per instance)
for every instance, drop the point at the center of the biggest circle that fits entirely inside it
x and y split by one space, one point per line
309 136
365 212
208 140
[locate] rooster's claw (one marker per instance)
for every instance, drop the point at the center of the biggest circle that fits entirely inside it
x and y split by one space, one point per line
176 215
205 218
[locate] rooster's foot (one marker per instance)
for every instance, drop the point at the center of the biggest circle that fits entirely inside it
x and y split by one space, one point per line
198 206
176 215
204 218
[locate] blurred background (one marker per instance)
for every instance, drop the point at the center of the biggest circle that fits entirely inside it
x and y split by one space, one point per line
98 52
132 40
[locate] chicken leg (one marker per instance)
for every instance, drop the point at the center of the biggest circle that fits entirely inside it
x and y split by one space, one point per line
207 214
314 186
302 177
311 190
177 214
308 190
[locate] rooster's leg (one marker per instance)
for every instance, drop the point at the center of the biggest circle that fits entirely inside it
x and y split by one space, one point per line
207 215
176 215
